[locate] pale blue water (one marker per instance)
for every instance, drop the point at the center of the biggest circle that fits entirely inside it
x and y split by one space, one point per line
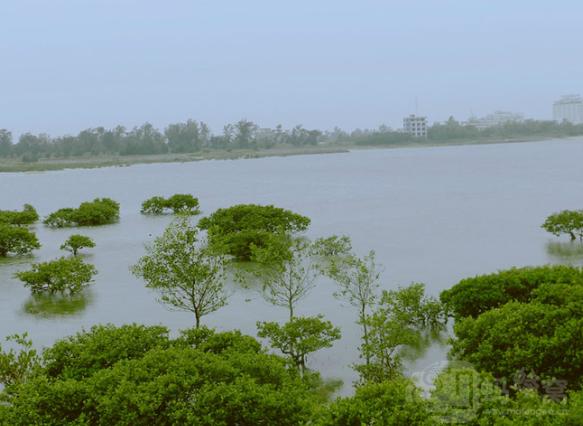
433 215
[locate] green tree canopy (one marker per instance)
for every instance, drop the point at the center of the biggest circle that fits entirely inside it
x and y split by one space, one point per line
401 320
333 247
473 296
136 375
299 337
568 222
463 395
16 240
177 203
358 283
288 271
236 229
395 402
542 336
27 216
100 211
181 268
64 275
77 242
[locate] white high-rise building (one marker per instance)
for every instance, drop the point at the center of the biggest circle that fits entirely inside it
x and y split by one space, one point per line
415 126
569 108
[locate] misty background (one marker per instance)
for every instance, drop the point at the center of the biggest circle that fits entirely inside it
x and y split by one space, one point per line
68 65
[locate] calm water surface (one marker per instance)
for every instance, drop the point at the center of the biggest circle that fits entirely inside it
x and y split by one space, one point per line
433 215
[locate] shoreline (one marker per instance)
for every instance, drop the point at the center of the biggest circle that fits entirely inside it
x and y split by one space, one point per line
10 166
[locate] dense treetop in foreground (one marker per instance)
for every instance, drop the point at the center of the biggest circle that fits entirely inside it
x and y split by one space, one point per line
525 320
195 136
138 375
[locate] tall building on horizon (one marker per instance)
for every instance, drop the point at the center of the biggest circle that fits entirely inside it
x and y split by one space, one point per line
415 125
569 108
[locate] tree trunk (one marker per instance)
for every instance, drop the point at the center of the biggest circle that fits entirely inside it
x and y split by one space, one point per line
364 333
197 318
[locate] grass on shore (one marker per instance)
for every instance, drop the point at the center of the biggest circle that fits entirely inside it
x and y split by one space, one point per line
14 165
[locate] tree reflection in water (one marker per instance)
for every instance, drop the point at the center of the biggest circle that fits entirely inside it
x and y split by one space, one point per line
51 305
566 251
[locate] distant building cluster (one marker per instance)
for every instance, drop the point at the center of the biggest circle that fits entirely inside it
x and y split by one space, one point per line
497 118
569 108
415 126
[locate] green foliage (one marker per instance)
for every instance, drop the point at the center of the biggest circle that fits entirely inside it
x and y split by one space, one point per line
100 211
64 275
299 337
358 283
332 247
181 268
135 375
62 218
187 137
27 216
288 271
88 352
206 340
154 205
466 396
77 242
16 240
473 296
17 367
47 305
569 222
394 402
183 203
402 319
178 204
542 337
235 230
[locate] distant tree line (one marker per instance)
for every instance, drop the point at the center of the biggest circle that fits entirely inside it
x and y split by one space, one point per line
453 130
188 137
195 136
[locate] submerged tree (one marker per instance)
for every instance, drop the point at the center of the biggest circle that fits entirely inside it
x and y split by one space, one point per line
64 275
288 271
77 242
100 211
27 216
299 337
333 247
358 282
569 222
177 203
402 318
16 240
185 272
237 229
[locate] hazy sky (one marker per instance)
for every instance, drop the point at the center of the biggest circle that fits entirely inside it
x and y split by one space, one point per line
71 64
